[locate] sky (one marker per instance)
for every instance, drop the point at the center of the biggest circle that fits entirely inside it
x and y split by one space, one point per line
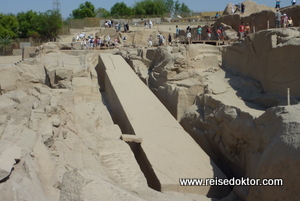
16 6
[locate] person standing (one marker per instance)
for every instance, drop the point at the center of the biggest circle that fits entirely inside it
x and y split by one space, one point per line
217 15
208 31
199 33
242 30
277 5
99 42
170 39
150 24
119 26
108 39
161 39
189 34
277 19
150 41
290 22
125 28
243 8
146 25
219 32
294 2
189 29
285 20
177 32
247 29
116 27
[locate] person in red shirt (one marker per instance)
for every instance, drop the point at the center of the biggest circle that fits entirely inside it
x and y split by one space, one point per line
208 31
242 30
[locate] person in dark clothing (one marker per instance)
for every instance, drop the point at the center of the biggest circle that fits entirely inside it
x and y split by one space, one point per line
170 39
189 29
242 8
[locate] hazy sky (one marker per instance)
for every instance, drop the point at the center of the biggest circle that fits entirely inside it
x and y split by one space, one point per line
16 6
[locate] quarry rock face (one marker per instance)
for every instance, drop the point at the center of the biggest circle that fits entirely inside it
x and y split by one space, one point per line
267 63
280 157
176 74
224 108
58 140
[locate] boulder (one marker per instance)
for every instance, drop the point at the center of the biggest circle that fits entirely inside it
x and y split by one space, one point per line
111 32
49 48
228 9
280 158
250 7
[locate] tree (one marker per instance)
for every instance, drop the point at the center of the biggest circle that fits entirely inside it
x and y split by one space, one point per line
50 24
8 25
5 42
181 9
28 24
150 7
176 7
33 24
184 8
120 9
169 5
86 9
102 12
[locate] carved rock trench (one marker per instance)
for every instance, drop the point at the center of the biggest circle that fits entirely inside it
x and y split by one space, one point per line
227 112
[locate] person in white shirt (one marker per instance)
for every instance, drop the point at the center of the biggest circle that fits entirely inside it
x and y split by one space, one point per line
150 41
150 24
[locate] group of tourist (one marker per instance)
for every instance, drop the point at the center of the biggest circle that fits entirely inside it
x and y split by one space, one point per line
198 37
118 25
125 27
148 24
220 33
282 20
161 40
91 42
244 30
109 23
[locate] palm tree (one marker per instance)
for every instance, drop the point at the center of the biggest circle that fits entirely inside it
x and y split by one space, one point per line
5 42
